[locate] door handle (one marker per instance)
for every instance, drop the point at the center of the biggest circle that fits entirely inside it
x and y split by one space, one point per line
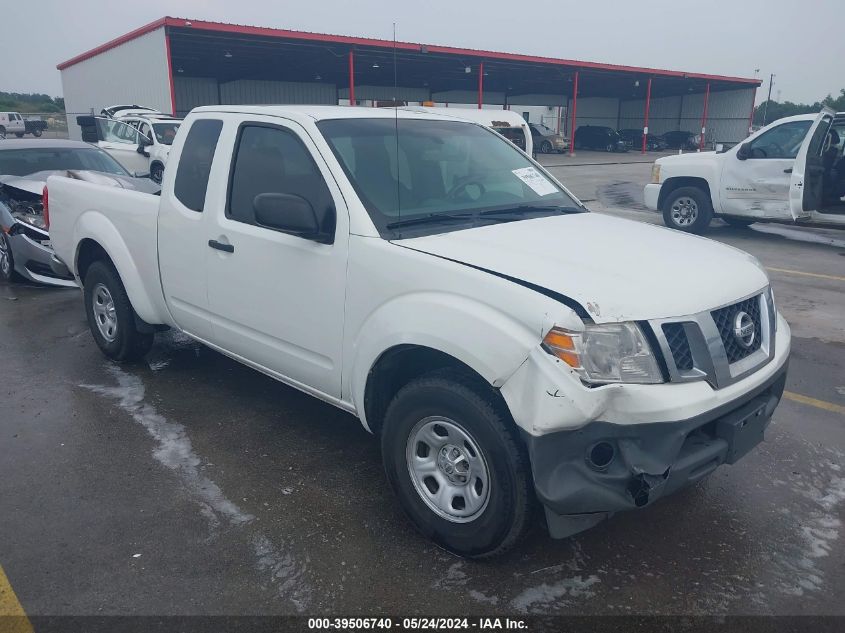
787 171
226 248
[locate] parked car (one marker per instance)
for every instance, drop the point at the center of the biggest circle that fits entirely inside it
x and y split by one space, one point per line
792 170
25 247
35 127
546 140
407 268
679 139
634 140
599 137
11 123
141 143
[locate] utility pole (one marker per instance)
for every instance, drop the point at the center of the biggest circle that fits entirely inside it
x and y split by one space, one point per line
769 98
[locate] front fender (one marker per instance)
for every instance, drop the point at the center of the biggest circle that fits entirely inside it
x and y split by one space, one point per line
482 337
146 301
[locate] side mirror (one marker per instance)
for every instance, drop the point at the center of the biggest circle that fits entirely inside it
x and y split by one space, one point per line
744 151
288 213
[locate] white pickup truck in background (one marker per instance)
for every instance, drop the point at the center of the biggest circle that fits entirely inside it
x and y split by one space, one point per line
425 275
792 170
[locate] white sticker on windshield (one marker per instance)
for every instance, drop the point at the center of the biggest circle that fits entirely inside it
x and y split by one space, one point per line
534 179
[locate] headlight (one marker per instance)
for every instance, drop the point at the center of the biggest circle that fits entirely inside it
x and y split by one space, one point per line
32 219
655 173
614 352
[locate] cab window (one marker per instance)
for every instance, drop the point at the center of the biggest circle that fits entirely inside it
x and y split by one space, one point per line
782 141
195 163
270 159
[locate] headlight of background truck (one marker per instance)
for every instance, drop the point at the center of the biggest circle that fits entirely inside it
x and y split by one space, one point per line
601 354
655 173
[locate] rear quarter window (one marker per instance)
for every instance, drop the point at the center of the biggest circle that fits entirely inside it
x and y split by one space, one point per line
195 163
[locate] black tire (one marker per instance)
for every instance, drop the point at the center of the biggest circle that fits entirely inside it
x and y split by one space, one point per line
608 147
156 172
738 223
128 343
546 147
2 132
688 209
458 397
36 132
19 134
7 260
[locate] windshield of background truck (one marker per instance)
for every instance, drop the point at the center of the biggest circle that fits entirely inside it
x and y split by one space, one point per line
165 132
408 168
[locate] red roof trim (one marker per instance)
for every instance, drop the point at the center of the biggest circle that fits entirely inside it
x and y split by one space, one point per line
238 29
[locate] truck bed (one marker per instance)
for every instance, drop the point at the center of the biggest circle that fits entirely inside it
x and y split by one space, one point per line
124 223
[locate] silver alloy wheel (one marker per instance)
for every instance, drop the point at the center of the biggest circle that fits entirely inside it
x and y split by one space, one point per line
104 312
448 469
684 211
5 260
157 174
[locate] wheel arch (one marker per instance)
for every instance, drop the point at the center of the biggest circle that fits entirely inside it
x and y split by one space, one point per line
670 185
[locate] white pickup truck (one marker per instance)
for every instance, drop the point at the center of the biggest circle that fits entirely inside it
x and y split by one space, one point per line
792 170
425 275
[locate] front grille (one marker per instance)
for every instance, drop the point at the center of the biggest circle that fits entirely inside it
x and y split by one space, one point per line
676 337
725 318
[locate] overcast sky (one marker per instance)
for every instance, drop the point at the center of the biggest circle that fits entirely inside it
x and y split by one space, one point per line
801 42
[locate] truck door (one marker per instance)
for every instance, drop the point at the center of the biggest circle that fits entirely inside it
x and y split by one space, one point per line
182 219
277 298
756 175
807 177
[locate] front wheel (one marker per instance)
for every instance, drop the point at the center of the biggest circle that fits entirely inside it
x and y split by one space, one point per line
110 315
546 147
156 173
457 464
609 147
7 260
688 209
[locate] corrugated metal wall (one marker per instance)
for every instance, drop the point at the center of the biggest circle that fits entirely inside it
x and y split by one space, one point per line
192 92
134 73
727 114
537 100
597 111
250 91
386 93
467 96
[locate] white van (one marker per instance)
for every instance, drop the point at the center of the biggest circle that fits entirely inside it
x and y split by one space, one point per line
509 124
11 123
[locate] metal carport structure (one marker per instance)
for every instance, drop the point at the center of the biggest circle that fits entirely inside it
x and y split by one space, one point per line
195 62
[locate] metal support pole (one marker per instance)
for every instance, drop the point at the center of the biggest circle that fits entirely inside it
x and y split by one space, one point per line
751 116
480 84
351 77
574 113
769 98
645 117
704 117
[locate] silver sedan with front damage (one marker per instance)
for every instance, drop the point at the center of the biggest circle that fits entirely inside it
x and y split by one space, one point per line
25 165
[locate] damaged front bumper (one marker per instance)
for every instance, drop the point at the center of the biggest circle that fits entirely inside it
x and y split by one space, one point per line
584 476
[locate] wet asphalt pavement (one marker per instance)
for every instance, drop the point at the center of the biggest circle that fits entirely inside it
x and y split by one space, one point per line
189 484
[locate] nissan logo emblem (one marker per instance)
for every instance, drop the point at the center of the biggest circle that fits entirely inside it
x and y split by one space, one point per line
744 330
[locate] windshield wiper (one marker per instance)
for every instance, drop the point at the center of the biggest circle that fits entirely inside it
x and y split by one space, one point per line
530 208
432 218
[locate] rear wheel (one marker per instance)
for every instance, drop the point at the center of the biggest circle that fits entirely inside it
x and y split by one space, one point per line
110 315
36 132
688 209
455 460
2 132
19 134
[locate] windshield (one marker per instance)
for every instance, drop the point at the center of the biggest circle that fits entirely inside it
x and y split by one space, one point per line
165 132
436 168
21 162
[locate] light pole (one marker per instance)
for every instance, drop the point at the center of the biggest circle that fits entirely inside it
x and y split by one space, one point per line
769 98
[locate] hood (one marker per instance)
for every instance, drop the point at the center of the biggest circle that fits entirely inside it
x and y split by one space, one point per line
34 183
691 157
618 270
